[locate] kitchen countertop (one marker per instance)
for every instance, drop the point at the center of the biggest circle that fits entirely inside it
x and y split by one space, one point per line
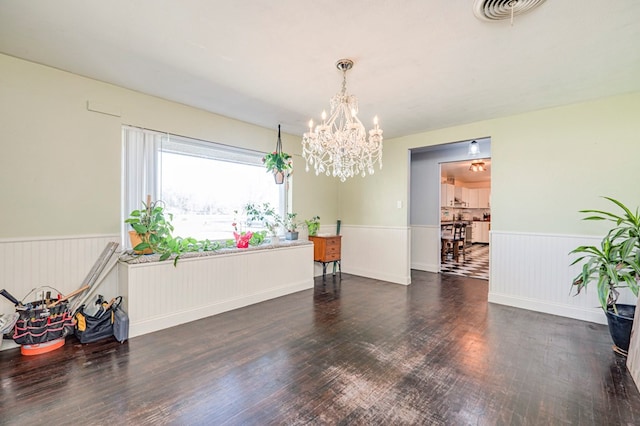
466 222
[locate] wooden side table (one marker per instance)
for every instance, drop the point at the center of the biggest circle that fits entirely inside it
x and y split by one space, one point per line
326 249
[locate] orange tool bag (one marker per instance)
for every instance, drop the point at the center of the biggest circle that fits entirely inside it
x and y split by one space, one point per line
95 322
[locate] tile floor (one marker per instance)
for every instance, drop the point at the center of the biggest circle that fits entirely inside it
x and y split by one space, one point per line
474 265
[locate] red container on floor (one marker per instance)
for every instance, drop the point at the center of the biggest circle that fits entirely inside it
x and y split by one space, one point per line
42 348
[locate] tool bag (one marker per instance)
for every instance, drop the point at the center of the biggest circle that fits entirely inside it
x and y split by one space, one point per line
39 323
95 322
120 324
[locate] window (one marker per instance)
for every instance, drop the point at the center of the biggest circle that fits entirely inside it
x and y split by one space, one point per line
201 183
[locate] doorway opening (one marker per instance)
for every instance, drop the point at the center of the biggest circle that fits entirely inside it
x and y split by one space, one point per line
427 210
465 217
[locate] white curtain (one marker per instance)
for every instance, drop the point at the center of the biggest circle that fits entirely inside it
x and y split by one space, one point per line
140 171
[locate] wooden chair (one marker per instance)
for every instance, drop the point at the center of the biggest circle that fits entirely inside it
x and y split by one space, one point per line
452 239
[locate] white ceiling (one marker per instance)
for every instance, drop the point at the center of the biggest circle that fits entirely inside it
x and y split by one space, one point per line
459 170
419 64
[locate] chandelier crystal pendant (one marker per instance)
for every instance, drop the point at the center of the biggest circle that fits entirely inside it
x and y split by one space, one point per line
339 147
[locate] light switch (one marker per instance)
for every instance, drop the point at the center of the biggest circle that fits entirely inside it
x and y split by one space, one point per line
399 204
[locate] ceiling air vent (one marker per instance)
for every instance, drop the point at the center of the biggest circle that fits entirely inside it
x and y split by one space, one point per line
497 10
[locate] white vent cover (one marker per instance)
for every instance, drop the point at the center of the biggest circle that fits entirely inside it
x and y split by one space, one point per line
497 10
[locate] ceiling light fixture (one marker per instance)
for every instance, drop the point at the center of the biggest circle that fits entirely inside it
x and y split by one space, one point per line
477 166
474 149
339 147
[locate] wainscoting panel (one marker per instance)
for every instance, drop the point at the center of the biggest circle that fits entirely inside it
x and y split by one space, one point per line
59 262
159 295
633 360
532 271
377 252
425 249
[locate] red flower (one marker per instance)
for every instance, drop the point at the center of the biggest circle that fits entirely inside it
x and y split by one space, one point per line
242 240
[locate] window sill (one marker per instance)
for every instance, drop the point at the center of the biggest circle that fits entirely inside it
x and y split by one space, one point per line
132 259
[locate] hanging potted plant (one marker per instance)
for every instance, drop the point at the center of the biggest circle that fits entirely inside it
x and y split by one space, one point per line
279 163
613 266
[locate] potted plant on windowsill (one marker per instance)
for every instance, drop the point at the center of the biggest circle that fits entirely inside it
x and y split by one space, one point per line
613 266
152 233
265 215
291 225
151 227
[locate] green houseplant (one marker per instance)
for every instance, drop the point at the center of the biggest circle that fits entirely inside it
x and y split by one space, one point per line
264 215
612 266
279 163
313 225
152 233
151 227
291 226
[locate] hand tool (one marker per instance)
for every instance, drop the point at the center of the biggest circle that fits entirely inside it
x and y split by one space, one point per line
12 299
107 306
73 293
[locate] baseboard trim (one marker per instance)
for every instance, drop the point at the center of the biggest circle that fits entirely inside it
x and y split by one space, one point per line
395 279
426 267
8 344
595 315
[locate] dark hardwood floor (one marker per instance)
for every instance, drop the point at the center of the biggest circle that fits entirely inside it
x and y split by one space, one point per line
359 351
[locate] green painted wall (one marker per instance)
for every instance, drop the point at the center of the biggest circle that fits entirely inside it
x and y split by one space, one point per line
60 168
60 162
546 165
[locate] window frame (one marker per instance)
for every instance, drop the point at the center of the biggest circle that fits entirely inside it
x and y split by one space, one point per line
142 166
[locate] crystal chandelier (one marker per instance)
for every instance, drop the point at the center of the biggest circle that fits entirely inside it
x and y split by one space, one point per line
339 146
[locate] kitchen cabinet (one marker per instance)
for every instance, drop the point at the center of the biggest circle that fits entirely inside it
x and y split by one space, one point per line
462 196
484 231
447 195
484 198
480 232
473 199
